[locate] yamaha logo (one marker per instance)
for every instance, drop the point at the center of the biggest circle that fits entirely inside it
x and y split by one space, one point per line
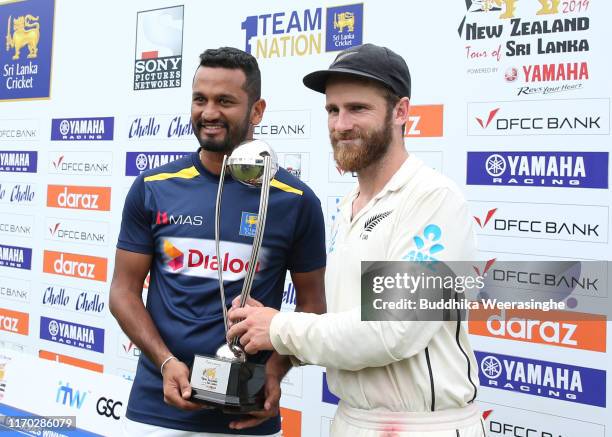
64 127
491 367
53 328
141 162
495 165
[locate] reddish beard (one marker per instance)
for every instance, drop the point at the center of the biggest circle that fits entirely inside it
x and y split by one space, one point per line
361 149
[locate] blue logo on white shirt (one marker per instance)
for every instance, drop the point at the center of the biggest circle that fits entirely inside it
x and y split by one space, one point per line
426 244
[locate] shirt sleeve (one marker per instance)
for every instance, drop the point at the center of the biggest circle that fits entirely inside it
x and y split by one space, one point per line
437 225
308 250
135 234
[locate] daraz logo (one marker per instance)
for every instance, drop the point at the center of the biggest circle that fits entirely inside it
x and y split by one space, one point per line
491 117
488 217
556 328
176 257
75 265
79 197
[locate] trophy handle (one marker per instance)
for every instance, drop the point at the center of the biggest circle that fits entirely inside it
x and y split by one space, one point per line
218 238
257 239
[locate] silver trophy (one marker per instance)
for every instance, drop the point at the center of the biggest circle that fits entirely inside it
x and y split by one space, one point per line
228 381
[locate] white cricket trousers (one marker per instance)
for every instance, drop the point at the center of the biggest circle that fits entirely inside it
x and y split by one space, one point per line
461 422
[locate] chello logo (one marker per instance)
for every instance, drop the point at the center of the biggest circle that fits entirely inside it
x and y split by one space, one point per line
77 266
78 197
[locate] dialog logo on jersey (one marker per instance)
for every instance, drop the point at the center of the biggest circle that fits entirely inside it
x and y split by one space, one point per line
425 121
344 27
539 117
17 193
137 162
83 129
74 265
17 161
196 257
27 53
555 328
175 258
72 361
72 334
15 257
14 321
159 48
582 385
541 169
79 197
248 224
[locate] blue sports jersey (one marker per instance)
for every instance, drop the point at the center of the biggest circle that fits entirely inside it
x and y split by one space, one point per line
170 213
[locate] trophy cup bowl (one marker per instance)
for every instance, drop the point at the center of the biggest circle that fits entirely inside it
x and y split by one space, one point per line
246 163
229 381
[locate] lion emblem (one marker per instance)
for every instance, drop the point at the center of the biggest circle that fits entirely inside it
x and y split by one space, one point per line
26 32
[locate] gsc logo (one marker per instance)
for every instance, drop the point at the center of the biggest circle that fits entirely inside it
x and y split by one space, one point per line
108 408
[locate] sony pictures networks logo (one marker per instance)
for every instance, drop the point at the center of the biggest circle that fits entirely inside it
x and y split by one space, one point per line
159 48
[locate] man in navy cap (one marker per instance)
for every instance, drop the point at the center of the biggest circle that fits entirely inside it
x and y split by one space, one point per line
394 378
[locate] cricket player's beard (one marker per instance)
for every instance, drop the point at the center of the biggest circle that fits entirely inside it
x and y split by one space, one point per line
356 149
234 136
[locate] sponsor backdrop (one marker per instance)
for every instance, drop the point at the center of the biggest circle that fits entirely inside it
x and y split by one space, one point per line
511 100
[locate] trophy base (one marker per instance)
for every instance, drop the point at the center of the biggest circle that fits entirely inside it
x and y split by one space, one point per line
233 387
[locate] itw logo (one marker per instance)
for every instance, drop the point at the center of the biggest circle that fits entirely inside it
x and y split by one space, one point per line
426 244
66 395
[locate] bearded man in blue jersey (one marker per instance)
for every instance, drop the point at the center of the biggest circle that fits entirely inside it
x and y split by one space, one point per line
168 229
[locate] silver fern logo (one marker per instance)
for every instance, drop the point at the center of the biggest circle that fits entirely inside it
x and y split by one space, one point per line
371 223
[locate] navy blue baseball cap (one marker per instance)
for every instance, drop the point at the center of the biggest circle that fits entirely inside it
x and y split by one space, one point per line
369 61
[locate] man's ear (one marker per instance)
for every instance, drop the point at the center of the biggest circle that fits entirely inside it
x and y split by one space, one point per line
401 111
257 111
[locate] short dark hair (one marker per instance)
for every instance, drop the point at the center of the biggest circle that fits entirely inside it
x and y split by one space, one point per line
230 57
